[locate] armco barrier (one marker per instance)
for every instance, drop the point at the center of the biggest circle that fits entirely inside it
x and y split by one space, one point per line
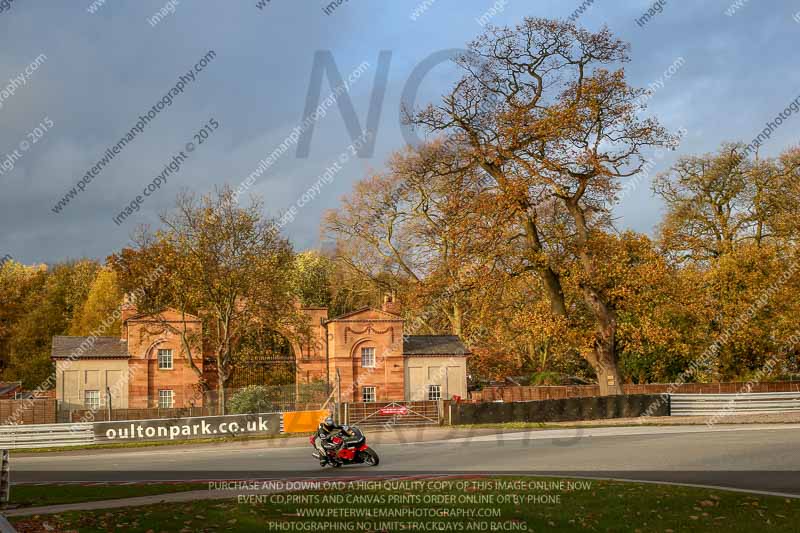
594 408
733 404
45 436
56 435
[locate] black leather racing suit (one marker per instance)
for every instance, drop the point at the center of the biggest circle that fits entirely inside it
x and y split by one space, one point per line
324 436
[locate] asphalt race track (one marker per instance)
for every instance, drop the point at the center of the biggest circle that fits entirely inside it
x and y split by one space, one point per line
763 458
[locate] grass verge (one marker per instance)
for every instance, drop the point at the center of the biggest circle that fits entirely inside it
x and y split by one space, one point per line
37 495
476 504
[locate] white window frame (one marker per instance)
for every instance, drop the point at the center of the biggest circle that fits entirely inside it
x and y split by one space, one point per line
92 402
438 392
368 392
368 351
162 396
162 362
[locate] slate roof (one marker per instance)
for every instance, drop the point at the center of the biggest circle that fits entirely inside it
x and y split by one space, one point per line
434 345
103 347
8 388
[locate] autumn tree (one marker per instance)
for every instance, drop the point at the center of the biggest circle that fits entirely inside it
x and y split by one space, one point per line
226 264
43 302
710 207
418 222
731 216
311 279
319 279
720 200
556 130
779 196
103 298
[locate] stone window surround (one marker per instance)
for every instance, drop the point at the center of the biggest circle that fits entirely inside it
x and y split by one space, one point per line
91 399
365 396
434 392
161 397
171 359
362 350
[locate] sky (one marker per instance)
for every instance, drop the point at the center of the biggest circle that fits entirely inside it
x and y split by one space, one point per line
86 71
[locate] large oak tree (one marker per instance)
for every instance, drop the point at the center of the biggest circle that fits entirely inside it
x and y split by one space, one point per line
546 117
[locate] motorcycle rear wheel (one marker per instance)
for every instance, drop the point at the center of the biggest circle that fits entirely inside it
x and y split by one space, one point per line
371 457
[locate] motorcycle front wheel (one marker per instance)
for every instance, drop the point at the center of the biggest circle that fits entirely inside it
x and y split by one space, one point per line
370 457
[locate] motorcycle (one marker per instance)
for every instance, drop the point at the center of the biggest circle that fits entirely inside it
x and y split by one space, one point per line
353 452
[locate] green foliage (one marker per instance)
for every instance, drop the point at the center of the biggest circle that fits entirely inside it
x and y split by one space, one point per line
311 279
103 299
253 399
546 378
37 303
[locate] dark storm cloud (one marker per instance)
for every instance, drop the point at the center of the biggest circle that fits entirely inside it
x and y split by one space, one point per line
103 70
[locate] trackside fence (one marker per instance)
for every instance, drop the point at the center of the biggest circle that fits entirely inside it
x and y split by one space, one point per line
557 392
391 414
57 435
563 410
45 436
29 411
733 404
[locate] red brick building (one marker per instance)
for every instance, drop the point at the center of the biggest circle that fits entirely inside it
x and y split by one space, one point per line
366 352
146 367
369 355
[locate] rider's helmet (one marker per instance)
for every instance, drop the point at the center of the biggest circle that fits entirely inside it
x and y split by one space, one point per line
328 424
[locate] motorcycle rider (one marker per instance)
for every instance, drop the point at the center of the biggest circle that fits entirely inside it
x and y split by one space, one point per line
327 429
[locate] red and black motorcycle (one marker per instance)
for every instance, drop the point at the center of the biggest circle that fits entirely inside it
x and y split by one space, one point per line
339 451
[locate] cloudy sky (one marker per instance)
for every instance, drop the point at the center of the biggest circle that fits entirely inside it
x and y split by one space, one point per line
97 73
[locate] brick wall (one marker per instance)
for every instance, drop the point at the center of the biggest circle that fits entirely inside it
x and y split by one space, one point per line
524 394
145 337
310 354
374 329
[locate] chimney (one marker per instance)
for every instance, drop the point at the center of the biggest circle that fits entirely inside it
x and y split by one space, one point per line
390 304
128 309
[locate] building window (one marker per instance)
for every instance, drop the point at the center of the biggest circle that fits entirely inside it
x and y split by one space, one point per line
368 357
91 398
434 393
165 399
165 359
368 394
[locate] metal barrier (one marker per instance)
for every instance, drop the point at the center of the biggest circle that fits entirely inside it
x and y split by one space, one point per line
45 436
730 404
14 437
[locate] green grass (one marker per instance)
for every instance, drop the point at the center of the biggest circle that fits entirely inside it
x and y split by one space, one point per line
594 506
36 495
